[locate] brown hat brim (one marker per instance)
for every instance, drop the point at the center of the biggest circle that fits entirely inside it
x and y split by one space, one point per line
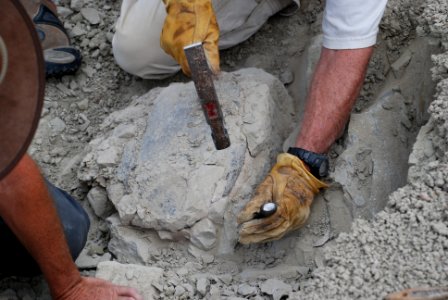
22 88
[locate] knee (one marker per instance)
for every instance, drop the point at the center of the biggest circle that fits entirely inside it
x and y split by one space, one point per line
76 224
74 219
126 53
142 58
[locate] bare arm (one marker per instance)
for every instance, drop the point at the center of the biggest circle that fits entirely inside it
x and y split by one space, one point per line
28 210
336 83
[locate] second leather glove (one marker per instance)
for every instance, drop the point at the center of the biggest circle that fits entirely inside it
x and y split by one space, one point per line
188 22
289 185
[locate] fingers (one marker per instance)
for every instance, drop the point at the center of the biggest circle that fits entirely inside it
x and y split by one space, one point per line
289 216
262 225
292 190
266 229
253 234
189 22
212 54
211 45
207 32
121 292
266 236
251 209
126 293
182 59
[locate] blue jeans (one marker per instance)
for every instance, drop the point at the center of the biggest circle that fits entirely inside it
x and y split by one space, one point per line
15 259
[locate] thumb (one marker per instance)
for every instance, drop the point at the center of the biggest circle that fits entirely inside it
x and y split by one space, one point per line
212 55
184 64
211 46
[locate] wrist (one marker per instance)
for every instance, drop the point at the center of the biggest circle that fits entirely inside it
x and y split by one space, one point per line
317 163
63 287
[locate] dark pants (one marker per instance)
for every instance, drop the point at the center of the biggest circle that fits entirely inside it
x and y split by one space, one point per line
15 259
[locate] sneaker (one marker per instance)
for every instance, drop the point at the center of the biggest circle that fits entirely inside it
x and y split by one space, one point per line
60 57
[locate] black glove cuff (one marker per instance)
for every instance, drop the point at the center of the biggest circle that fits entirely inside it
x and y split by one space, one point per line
318 163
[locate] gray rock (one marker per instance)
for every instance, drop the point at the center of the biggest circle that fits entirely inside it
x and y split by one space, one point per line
217 209
247 290
78 30
88 70
57 126
286 77
402 61
69 168
128 245
202 285
281 271
201 255
228 293
76 4
83 104
125 131
440 228
77 19
108 157
422 149
91 15
189 288
370 169
167 173
136 276
228 278
86 261
215 292
101 205
182 272
63 87
203 234
276 288
64 12
179 291
169 290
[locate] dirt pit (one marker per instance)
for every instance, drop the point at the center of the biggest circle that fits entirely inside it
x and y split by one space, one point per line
380 227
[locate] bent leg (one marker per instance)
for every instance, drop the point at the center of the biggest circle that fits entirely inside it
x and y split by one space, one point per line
136 43
75 221
14 257
26 207
238 20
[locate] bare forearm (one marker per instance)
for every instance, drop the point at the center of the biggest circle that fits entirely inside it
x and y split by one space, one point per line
27 208
336 83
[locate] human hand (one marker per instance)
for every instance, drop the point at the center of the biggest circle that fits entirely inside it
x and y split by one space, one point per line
188 22
289 185
98 289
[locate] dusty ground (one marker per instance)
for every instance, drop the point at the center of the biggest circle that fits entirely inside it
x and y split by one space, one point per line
403 246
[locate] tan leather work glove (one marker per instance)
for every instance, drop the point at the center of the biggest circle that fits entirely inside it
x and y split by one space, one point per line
188 22
292 187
